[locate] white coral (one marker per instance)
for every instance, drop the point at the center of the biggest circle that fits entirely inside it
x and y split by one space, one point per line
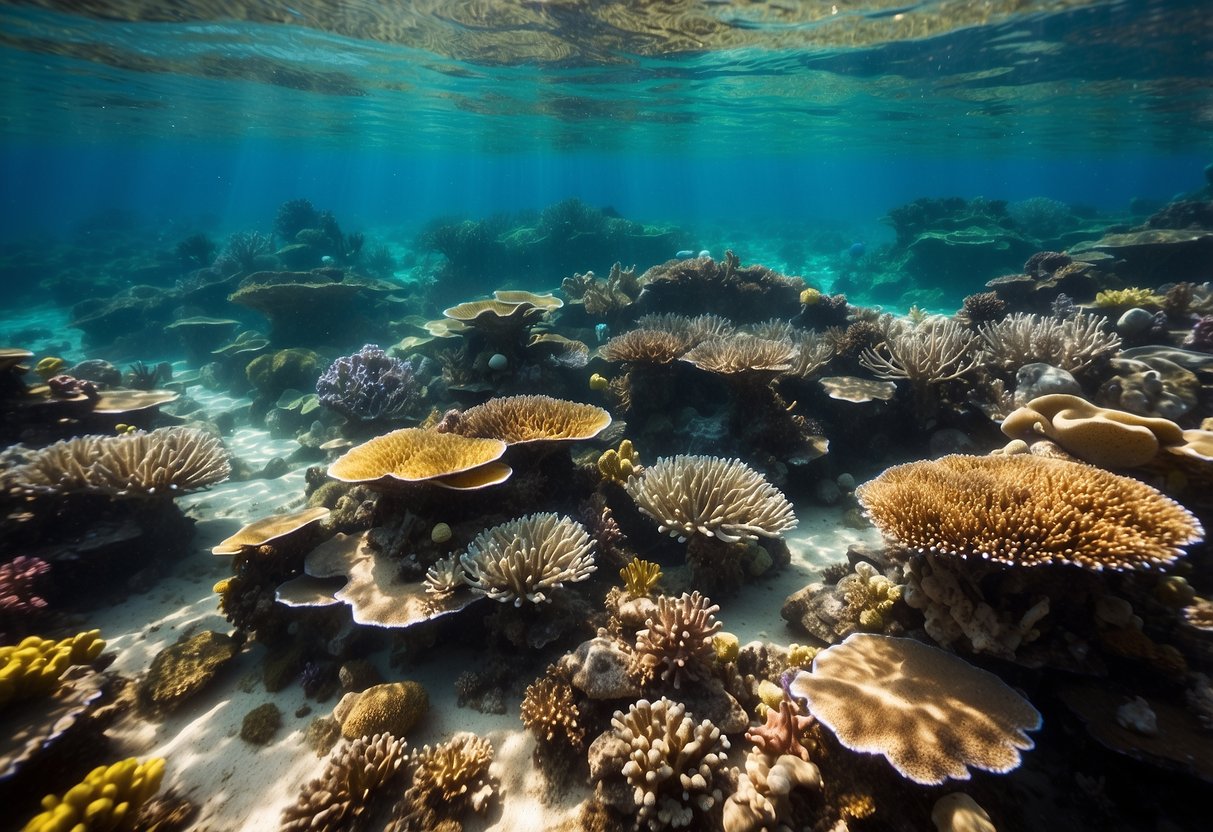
525 559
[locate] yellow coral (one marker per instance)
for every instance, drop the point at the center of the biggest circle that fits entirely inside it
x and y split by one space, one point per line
769 693
599 382
810 297
619 465
35 665
727 647
801 655
1133 296
393 708
50 366
639 577
109 798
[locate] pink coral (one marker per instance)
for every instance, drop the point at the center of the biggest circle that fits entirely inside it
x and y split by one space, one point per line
19 591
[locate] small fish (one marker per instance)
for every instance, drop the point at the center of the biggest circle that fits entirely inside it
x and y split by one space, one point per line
857 250
327 260
705 253
602 332
684 254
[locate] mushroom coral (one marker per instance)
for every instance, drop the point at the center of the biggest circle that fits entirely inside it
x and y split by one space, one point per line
525 559
1028 510
342 795
519 419
412 455
722 498
931 714
164 461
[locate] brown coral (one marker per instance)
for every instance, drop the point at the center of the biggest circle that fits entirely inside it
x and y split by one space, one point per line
519 419
391 708
743 353
340 798
167 461
931 714
1028 510
268 529
677 642
549 710
524 560
645 346
722 498
414 455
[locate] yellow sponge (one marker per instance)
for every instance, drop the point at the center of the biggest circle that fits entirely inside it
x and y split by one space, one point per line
35 665
110 797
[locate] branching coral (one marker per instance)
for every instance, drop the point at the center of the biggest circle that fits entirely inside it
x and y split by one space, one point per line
742 353
109 798
549 710
1120 298
670 763
447 780
165 461
645 346
34 666
676 643
342 795
869 596
931 714
519 419
369 386
813 352
639 577
939 349
1028 510
1073 344
722 498
524 560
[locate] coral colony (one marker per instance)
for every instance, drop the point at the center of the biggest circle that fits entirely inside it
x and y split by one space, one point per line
575 493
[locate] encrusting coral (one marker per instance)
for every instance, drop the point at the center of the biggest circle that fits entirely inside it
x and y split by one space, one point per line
676 643
340 798
1028 510
109 798
931 714
671 764
722 498
519 419
167 461
34 666
524 560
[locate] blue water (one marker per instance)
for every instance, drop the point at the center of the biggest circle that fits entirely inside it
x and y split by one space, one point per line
762 113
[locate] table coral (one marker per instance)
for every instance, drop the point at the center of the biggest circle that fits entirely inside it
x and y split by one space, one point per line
182 669
109 798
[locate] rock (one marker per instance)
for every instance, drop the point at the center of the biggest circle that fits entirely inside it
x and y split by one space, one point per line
1134 322
599 668
180 671
260 724
957 812
1040 379
358 675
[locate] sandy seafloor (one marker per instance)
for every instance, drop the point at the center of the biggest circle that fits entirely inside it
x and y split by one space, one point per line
241 786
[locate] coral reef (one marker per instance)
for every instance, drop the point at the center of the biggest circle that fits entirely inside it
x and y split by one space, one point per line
109 798
676 644
342 796
369 386
524 560
1028 510
167 461
721 498
932 715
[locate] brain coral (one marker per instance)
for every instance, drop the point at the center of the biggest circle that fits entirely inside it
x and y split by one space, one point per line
932 715
527 558
392 708
165 461
518 419
1028 510
722 498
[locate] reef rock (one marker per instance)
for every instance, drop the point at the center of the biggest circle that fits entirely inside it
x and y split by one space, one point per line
180 671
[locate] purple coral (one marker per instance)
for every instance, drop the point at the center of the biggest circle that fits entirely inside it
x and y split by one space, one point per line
20 600
1201 336
369 386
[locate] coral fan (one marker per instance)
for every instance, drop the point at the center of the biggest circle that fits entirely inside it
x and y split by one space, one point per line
1028 510
677 641
525 559
108 798
165 461
722 498
369 386
342 795
931 714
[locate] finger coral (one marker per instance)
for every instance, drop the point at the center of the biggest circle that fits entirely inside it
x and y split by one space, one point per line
549 710
165 461
109 798
619 465
519 419
369 386
34 666
524 560
1028 510
354 775
677 642
931 714
722 498
447 780
670 763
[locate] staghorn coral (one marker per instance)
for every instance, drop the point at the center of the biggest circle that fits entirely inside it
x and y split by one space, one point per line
369 386
931 714
1028 510
165 461
677 642
646 346
524 560
519 419
671 764
742 353
639 577
109 798
813 352
414 455
603 298
937 350
35 665
446 780
340 798
549 710
722 498
1073 343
